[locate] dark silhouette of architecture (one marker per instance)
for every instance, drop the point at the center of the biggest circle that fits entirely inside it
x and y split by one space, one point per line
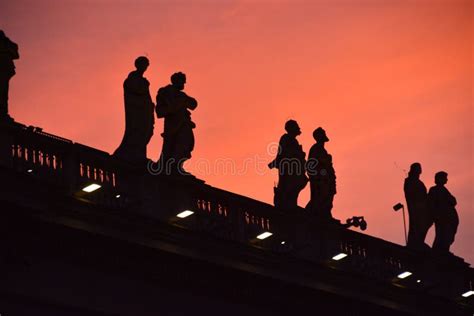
442 204
83 233
8 53
139 115
107 238
290 162
420 217
174 106
322 177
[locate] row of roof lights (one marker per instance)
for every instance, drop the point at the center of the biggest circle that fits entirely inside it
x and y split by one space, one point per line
337 257
93 187
402 275
262 236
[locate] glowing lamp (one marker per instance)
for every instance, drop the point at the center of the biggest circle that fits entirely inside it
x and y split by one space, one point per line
468 293
185 214
91 187
404 275
339 256
264 235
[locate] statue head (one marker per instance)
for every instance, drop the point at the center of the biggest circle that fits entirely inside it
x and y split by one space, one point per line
178 79
142 63
415 170
292 128
441 178
319 135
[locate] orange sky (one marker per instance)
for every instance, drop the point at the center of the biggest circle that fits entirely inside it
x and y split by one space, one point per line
390 81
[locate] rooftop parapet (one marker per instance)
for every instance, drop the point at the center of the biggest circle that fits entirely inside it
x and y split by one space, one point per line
70 169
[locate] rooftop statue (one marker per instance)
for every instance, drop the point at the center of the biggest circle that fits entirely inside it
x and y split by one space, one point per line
290 162
174 106
420 217
8 53
139 117
443 206
322 178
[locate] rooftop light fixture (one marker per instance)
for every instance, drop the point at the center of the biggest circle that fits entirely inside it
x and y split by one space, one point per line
339 256
468 293
91 187
404 275
264 235
185 214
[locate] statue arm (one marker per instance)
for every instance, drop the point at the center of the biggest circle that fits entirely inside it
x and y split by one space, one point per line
190 102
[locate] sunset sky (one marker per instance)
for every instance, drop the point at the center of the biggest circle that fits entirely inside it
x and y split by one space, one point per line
390 81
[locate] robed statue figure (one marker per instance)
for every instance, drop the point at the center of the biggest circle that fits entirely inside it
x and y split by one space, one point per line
139 115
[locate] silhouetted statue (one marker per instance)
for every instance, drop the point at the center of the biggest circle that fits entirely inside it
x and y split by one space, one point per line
139 115
446 220
322 177
290 162
174 106
420 216
8 53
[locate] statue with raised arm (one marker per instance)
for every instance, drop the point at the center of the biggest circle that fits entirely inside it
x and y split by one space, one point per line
290 162
443 206
174 106
139 115
322 178
8 53
420 217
